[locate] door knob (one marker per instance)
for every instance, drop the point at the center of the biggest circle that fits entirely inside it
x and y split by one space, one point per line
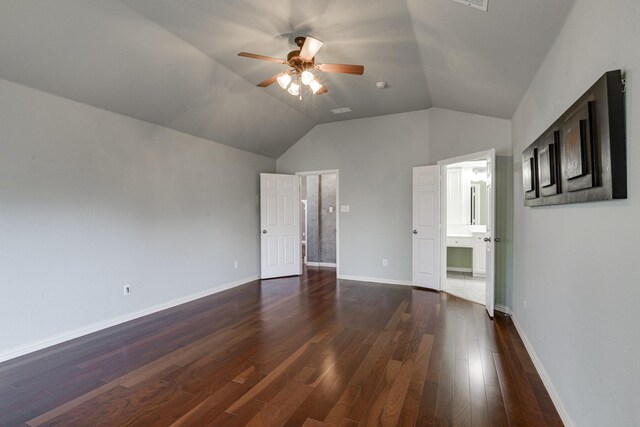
264 231
497 240
415 231
487 239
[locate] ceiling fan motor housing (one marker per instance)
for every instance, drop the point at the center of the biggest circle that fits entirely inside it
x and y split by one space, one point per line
297 63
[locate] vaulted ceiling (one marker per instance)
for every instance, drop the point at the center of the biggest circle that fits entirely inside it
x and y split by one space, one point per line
174 62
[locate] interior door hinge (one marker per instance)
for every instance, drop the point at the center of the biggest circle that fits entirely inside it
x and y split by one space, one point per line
624 85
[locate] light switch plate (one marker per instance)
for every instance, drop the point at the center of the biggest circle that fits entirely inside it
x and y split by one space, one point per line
345 208
330 209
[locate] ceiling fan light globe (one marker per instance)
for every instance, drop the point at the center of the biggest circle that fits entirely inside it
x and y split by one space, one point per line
284 80
294 89
307 77
315 86
310 48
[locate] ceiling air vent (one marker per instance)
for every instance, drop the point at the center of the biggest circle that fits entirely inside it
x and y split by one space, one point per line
341 110
478 4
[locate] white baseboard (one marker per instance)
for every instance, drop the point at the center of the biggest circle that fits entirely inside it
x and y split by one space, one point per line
376 280
502 308
321 264
566 419
459 269
76 333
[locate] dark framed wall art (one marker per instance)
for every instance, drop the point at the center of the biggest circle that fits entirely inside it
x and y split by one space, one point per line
582 156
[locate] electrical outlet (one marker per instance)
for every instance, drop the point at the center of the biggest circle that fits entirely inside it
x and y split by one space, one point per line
127 289
524 303
385 262
235 264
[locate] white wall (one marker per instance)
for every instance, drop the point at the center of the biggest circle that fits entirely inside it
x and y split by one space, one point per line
91 201
577 266
375 157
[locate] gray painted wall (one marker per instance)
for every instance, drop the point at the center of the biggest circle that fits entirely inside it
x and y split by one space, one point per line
375 157
91 201
577 265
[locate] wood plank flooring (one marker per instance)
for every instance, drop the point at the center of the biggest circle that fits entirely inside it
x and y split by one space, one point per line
308 351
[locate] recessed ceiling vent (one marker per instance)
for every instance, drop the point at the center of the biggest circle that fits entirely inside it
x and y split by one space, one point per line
341 110
478 4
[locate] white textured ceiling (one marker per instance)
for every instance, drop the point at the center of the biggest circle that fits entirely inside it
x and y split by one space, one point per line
174 63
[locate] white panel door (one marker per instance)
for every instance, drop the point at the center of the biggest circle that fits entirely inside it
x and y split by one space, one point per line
280 231
426 227
491 226
479 255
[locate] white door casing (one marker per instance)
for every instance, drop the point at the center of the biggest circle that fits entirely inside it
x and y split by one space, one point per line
280 253
426 227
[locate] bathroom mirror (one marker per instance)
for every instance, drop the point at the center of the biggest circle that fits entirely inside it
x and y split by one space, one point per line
478 203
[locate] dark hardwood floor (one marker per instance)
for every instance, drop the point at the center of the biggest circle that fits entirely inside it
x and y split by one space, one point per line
305 351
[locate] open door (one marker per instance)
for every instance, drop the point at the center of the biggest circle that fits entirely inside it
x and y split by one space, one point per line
491 234
426 227
280 253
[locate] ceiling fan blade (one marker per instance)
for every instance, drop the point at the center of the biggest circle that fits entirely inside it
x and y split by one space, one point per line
341 68
262 57
322 90
310 48
271 80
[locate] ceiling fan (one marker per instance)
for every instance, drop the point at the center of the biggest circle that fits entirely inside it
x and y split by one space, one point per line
302 62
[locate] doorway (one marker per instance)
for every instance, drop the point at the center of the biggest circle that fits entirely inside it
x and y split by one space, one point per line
319 225
467 218
467 260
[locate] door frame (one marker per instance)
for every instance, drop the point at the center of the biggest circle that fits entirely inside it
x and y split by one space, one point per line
335 172
304 202
491 153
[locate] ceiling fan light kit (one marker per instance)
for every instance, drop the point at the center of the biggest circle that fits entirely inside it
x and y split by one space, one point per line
302 61
284 80
315 86
307 77
294 89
